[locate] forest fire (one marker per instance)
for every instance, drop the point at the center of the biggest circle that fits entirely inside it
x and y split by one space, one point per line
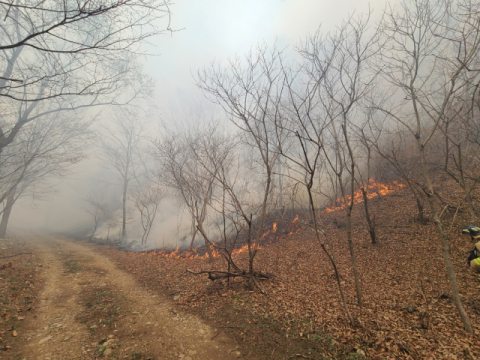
374 189
196 254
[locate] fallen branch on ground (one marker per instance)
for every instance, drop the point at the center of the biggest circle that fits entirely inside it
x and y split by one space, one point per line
218 274
10 256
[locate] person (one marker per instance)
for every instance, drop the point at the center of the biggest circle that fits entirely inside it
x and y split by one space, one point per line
474 257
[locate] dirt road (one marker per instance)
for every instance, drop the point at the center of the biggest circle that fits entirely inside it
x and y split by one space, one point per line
90 309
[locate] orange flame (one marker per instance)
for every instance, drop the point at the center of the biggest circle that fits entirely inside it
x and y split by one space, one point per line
193 255
374 189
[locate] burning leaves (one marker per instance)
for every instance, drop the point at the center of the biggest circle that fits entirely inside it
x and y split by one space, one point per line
268 237
374 189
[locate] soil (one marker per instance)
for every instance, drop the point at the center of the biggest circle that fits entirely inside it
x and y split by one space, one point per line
87 308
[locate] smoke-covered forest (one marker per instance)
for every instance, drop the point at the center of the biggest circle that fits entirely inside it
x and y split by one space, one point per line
351 145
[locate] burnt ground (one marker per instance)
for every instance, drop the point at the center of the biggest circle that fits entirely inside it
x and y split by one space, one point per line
65 301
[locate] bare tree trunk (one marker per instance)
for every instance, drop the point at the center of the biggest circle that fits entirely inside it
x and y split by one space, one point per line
6 213
124 208
463 184
421 215
352 256
330 257
370 221
194 233
251 256
443 239
471 208
208 243
94 230
349 210
280 184
264 207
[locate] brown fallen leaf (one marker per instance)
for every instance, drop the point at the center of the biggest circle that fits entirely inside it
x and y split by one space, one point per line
20 317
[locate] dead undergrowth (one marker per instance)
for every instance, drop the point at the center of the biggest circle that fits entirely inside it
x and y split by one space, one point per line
20 285
407 312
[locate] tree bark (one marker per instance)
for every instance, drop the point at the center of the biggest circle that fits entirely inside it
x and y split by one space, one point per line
94 230
370 222
443 239
194 232
352 256
6 213
421 215
330 257
124 208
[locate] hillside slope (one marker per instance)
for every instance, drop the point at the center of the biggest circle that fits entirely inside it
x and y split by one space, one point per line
407 312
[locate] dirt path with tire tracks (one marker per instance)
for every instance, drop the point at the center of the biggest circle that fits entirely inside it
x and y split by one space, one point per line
90 309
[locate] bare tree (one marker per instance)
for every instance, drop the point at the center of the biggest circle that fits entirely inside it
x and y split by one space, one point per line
305 121
75 54
235 201
43 150
429 56
146 197
393 146
120 144
338 63
364 177
250 94
97 208
179 170
460 147
86 32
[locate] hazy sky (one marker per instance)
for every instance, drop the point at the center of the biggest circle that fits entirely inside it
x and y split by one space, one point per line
221 29
211 29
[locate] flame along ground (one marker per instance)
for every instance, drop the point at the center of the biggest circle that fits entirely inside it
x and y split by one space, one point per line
194 255
374 189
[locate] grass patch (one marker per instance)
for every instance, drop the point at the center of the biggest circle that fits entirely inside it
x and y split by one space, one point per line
103 308
72 266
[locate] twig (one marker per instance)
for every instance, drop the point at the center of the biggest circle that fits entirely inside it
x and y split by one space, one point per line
226 273
218 333
445 208
260 287
13 80
232 327
455 216
10 256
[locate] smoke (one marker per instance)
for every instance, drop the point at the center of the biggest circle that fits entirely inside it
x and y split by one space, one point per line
212 30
